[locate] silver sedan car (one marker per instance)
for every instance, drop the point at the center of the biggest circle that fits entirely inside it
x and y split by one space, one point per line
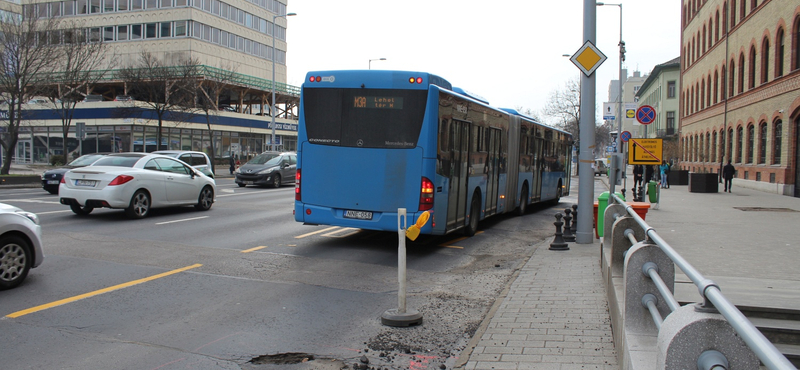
20 245
136 182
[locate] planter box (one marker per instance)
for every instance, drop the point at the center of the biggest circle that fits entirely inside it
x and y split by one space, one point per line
703 183
678 177
21 180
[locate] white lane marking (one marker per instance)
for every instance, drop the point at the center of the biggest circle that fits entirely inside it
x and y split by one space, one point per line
185 219
51 212
30 201
316 232
345 232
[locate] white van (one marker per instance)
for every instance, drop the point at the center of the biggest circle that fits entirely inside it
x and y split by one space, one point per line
600 166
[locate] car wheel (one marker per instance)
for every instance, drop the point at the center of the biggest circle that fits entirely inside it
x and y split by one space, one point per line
206 199
523 204
276 181
80 211
140 205
240 184
15 261
474 216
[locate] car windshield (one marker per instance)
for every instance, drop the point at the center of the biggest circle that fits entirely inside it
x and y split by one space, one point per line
118 161
266 158
85 160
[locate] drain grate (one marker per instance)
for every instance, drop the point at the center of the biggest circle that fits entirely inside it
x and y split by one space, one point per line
283 358
764 209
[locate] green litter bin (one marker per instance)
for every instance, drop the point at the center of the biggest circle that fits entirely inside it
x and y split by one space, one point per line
652 192
602 204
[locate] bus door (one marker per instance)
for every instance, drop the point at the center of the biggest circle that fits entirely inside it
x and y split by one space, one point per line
459 173
538 163
492 170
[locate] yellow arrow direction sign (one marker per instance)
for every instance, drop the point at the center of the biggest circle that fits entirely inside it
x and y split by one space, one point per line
588 58
645 151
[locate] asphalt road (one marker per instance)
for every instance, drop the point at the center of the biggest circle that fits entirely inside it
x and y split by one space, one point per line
244 286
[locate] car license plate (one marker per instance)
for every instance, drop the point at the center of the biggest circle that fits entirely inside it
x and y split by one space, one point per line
85 182
361 215
247 182
52 182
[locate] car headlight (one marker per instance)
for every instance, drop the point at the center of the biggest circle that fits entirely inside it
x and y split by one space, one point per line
31 216
265 172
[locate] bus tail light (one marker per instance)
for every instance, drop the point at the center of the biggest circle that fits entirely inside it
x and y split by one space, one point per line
297 185
426 195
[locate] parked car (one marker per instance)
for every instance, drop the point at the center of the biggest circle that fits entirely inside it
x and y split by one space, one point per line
52 178
93 98
123 98
198 160
20 245
268 168
137 183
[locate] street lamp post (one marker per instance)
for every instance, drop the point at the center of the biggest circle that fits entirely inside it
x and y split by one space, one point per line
272 83
370 61
612 182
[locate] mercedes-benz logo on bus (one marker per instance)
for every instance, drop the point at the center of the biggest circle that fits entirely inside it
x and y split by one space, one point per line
360 142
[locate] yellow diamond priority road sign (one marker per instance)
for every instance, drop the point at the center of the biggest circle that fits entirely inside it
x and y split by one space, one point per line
588 58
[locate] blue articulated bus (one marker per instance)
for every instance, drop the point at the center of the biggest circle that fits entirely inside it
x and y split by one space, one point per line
371 142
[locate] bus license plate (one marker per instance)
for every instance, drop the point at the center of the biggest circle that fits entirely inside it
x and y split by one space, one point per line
360 215
85 182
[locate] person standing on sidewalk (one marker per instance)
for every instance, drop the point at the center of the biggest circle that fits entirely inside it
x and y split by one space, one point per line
727 174
664 168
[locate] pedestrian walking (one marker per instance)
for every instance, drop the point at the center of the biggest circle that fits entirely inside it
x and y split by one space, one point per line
233 163
664 168
638 172
727 174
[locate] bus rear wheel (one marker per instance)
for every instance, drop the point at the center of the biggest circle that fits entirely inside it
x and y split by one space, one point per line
474 216
523 204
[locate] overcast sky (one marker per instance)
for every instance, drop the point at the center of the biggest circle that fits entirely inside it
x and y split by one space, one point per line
509 52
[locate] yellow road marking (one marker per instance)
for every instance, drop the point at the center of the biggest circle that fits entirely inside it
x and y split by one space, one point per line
98 292
316 232
253 249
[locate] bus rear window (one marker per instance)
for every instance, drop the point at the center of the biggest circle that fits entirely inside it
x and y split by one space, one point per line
368 118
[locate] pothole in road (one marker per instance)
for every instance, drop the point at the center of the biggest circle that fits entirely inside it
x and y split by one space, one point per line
283 359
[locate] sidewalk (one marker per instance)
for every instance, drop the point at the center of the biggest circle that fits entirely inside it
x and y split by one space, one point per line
555 313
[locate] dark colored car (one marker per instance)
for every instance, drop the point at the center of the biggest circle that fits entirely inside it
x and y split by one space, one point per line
198 160
51 178
268 168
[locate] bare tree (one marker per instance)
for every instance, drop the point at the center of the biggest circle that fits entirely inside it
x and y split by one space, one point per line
25 56
78 68
209 90
167 91
564 106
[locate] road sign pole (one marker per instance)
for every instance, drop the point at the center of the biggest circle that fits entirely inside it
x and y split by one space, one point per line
587 126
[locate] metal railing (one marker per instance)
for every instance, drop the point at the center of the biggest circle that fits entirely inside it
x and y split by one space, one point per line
647 262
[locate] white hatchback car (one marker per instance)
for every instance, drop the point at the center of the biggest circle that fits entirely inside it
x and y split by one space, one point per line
136 182
20 245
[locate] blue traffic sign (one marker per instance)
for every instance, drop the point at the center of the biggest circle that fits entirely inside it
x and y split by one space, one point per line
646 114
626 135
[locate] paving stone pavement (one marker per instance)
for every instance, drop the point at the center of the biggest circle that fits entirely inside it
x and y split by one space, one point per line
554 316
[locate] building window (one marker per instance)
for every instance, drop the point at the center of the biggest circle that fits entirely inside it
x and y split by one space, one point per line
108 33
741 73
122 33
166 30
762 143
137 4
796 44
180 28
671 123
751 131
714 147
670 89
752 69
739 142
778 142
731 82
779 53
151 30
122 5
764 60
136 32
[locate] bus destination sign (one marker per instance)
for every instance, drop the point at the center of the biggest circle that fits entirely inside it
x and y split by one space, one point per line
378 102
